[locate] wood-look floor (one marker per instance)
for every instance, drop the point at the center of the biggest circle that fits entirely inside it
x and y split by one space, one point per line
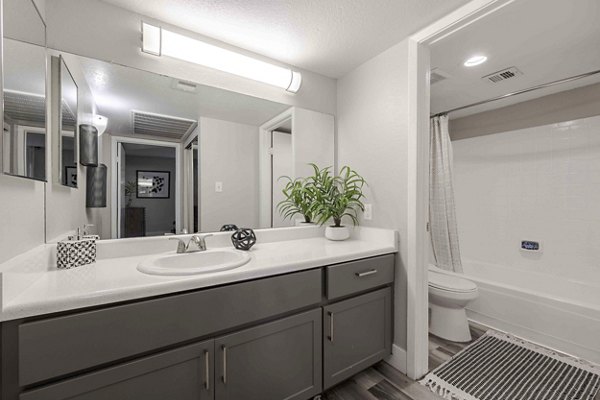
383 382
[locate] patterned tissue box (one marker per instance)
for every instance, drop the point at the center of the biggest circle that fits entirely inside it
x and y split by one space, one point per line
75 252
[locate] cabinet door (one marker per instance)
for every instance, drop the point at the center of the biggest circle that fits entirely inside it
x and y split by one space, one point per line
275 361
185 373
358 333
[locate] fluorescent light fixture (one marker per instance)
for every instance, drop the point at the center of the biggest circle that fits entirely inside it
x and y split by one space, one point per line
475 60
161 42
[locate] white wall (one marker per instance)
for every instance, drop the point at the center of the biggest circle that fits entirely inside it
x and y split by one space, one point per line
312 140
95 29
22 215
372 138
228 154
541 184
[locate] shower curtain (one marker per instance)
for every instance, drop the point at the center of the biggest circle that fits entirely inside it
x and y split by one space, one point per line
442 213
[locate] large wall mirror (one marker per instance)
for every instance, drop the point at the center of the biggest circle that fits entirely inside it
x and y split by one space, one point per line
24 139
67 95
178 156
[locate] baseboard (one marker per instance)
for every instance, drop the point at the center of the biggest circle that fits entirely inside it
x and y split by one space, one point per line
397 359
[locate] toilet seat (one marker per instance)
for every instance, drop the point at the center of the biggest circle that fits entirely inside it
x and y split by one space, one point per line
450 283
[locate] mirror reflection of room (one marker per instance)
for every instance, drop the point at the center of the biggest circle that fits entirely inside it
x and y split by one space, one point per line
24 71
178 156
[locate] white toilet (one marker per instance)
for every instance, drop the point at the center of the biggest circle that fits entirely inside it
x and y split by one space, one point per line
448 297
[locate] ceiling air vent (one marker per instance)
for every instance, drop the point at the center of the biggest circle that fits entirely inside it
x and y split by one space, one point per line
436 75
184 86
150 124
30 109
502 75
24 108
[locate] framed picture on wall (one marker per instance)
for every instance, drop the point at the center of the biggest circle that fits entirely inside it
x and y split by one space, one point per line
153 184
70 177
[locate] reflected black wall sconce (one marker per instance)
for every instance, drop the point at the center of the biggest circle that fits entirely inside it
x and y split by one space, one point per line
88 145
95 196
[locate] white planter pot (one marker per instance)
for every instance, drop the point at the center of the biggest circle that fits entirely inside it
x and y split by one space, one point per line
333 233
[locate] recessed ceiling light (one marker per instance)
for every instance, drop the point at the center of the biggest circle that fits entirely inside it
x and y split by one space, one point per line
475 60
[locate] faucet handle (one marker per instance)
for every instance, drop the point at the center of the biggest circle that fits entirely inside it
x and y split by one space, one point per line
181 246
200 240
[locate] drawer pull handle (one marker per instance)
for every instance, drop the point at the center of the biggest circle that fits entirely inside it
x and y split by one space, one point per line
224 364
331 327
366 273
207 370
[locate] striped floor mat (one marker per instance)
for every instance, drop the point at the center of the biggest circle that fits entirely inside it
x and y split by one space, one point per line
498 366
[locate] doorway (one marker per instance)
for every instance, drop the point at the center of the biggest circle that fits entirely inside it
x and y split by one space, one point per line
147 198
281 167
276 160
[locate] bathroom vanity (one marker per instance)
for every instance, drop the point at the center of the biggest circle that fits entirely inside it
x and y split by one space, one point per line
288 334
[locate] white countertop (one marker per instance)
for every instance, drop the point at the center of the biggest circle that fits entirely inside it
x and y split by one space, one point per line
113 279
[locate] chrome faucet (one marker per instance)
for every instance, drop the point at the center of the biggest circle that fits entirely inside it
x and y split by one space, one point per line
197 240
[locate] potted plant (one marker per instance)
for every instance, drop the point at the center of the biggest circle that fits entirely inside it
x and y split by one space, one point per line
336 197
299 197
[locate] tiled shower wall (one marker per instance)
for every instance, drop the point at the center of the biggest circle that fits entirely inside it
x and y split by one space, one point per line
539 184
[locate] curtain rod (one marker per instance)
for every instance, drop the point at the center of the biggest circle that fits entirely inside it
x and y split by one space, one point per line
531 89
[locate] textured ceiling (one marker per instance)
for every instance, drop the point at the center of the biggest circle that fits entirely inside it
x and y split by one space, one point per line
545 43
118 90
330 37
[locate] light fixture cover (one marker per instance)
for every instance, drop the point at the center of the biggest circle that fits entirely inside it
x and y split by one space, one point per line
475 60
161 42
100 123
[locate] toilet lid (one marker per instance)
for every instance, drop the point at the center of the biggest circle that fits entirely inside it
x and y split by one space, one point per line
451 283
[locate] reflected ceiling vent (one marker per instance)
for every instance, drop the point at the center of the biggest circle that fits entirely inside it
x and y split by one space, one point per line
499 76
22 107
68 117
184 86
436 75
167 126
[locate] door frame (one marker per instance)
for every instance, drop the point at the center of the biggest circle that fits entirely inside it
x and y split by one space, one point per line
418 173
265 167
188 178
116 189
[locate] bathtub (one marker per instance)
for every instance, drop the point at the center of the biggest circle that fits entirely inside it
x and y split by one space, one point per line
557 312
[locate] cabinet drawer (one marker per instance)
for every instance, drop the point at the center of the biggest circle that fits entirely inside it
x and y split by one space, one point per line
57 346
183 374
357 276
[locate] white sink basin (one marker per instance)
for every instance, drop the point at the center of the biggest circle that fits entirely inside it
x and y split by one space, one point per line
201 262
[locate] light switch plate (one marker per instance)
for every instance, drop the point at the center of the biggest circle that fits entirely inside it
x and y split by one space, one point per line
218 187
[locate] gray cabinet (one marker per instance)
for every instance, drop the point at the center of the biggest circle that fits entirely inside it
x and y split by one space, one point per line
275 361
183 374
358 333
282 337
95 338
